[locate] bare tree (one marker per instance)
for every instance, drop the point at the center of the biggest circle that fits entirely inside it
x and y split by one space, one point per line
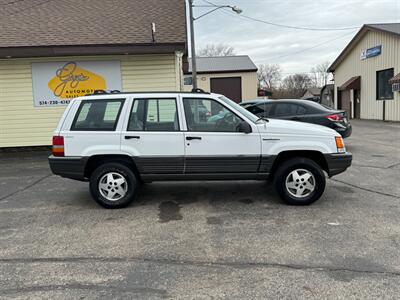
216 50
269 75
320 74
294 86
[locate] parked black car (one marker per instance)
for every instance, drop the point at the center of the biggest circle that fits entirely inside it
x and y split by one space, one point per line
301 110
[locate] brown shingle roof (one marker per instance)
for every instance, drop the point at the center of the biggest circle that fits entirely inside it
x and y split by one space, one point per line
33 23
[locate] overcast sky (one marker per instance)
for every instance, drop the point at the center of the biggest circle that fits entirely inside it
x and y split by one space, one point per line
269 44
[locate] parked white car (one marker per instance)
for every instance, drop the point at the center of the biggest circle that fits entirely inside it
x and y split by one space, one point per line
117 141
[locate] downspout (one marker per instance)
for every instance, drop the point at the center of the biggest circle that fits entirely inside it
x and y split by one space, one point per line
179 70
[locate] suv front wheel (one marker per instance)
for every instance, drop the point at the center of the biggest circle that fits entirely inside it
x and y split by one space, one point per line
113 185
299 181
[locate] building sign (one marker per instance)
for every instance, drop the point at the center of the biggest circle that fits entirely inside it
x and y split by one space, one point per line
56 83
371 52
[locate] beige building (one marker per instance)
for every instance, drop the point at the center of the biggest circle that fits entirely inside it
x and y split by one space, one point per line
42 67
365 71
232 76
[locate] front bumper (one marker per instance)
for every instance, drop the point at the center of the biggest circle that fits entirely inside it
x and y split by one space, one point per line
338 162
68 167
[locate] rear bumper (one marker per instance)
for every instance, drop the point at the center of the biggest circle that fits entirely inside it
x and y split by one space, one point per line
344 132
338 162
68 167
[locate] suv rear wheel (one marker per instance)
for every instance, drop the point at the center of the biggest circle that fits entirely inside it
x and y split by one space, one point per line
113 185
299 181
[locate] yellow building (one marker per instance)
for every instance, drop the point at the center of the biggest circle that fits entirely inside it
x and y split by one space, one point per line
366 73
232 76
50 54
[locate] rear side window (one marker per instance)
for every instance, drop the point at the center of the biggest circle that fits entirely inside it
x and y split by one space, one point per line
154 115
98 115
285 109
301 110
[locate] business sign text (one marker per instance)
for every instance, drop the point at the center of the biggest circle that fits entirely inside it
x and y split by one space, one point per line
371 52
56 83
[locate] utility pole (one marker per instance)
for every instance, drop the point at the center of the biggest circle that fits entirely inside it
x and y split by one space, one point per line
193 47
191 21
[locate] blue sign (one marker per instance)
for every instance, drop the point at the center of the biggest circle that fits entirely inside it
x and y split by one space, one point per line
371 52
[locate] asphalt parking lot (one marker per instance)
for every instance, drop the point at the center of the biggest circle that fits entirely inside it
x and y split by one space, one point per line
205 239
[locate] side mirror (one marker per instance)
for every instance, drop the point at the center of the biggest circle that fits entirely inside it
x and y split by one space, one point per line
244 127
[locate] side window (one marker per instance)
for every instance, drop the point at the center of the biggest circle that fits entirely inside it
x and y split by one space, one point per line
301 110
154 115
209 115
383 87
285 109
266 108
255 109
97 115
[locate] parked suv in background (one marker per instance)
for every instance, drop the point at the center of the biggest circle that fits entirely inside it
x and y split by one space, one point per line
117 141
303 111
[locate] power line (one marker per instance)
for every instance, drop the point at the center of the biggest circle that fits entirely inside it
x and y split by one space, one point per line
300 51
283 25
315 46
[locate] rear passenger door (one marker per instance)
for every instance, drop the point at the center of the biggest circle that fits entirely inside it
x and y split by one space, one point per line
152 135
286 111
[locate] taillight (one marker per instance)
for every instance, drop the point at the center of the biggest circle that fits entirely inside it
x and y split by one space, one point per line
58 145
334 117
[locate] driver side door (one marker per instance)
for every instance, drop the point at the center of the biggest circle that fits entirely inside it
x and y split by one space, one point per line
212 142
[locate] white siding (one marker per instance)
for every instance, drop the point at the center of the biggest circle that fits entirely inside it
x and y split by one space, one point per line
22 124
352 65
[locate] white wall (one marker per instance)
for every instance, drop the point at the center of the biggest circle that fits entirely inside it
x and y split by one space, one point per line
352 65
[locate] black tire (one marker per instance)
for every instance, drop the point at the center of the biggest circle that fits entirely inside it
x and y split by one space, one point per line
293 164
126 173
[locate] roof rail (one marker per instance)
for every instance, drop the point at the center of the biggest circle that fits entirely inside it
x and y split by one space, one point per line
99 92
198 91
105 92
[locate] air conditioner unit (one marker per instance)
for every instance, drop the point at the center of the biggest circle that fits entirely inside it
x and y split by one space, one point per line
396 87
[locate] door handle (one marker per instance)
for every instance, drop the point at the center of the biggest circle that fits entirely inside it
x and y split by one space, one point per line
193 138
129 137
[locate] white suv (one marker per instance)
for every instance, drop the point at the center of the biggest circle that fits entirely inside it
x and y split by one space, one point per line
119 140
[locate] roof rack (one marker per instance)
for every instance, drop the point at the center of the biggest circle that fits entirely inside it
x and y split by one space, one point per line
106 92
99 92
199 91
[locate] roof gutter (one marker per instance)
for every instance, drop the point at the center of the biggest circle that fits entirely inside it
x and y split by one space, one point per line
222 71
87 50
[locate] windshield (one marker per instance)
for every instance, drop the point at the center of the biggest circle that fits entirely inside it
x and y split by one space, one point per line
242 110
